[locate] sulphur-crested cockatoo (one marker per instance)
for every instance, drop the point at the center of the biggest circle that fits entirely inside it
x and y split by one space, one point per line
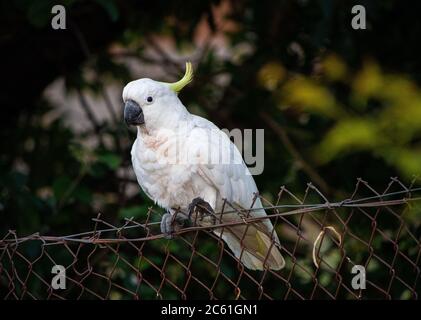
186 163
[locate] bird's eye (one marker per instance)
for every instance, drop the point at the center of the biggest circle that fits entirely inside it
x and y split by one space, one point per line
149 99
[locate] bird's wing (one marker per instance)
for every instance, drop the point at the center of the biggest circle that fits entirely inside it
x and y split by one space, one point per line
222 167
226 170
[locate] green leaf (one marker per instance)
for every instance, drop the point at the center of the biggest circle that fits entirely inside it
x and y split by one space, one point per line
97 170
135 211
60 186
111 160
347 136
83 194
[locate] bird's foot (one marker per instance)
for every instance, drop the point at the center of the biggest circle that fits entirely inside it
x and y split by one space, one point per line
171 223
201 212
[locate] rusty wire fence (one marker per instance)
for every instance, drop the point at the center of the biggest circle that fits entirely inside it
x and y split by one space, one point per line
379 230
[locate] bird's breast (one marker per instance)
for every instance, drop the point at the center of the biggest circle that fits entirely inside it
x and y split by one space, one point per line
164 177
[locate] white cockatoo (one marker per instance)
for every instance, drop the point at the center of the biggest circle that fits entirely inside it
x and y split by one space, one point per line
185 163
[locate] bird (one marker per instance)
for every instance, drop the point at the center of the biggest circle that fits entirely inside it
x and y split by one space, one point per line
189 167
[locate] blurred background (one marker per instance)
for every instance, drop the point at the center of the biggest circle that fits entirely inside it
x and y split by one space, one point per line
335 103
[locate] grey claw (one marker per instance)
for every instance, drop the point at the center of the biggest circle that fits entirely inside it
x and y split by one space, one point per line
201 209
166 226
171 223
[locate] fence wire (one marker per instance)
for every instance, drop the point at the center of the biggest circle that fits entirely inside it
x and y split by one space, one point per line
378 230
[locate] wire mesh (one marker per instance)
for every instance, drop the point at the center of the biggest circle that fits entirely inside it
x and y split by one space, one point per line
378 230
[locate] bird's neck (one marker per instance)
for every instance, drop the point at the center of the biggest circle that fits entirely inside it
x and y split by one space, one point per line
177 125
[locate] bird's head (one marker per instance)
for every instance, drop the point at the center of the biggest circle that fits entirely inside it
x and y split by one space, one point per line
155 104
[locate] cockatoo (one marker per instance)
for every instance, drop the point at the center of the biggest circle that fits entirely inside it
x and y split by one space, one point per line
185 163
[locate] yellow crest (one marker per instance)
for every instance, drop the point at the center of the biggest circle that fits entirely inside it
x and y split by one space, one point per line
187 78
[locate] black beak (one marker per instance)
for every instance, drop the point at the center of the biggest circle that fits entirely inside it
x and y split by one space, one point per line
133 113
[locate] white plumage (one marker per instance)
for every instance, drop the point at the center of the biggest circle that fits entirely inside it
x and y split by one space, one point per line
178 157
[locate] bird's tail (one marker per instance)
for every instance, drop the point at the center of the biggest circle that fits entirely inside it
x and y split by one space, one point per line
254 246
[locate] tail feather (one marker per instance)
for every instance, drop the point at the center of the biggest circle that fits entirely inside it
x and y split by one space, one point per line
255 248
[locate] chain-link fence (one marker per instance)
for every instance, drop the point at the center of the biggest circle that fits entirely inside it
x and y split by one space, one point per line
321 241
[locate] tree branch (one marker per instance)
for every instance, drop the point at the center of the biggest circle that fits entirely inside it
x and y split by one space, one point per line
283 136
